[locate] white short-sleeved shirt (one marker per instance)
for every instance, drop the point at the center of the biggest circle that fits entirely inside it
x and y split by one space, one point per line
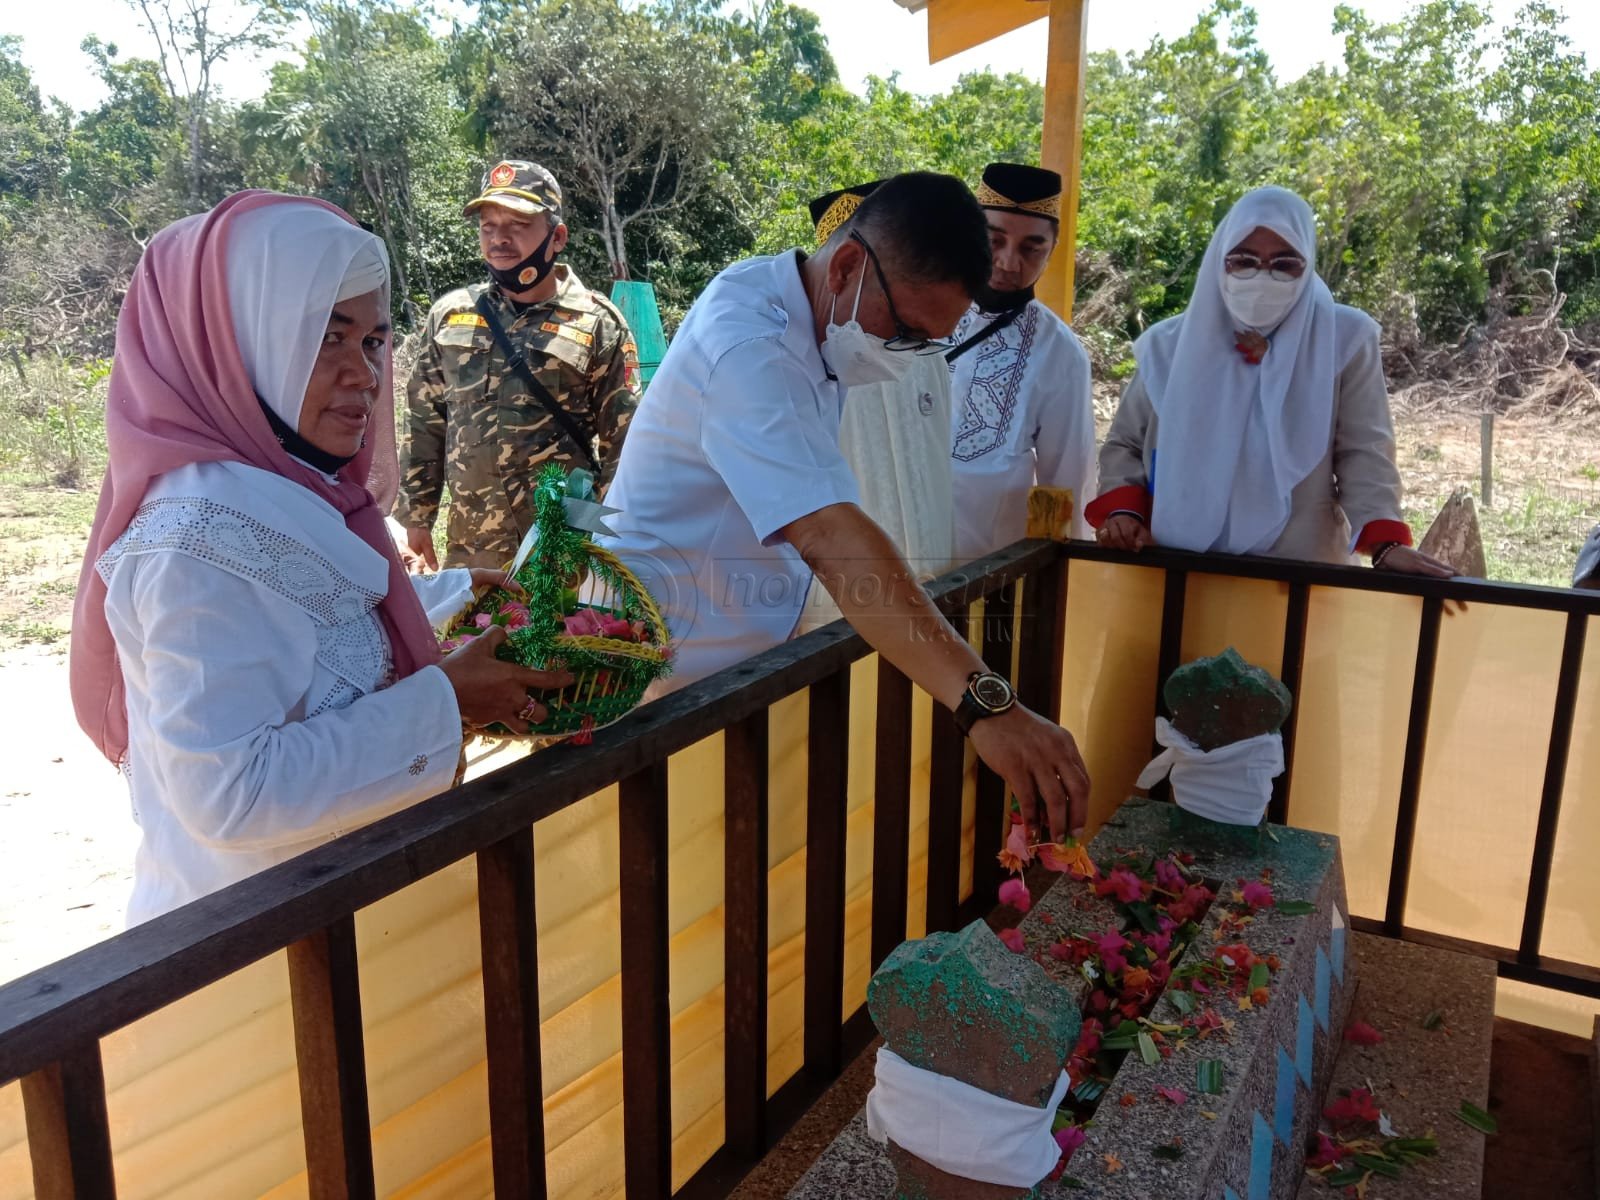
737 436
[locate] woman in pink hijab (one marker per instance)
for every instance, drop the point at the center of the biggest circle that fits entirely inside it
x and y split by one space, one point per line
246 645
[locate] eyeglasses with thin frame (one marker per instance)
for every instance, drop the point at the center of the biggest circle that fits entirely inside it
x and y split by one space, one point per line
1282 267
903 341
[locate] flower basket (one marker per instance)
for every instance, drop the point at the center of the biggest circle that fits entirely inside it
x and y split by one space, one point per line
613 640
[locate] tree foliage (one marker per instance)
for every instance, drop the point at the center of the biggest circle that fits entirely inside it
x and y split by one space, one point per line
1454 166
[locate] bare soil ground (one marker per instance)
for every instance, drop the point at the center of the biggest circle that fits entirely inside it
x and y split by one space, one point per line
65 829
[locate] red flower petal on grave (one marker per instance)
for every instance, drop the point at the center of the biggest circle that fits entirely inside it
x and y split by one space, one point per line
1257 895
1328 1152
1013 940
1355 1106
1124 884
1176 1095
1069 1138
1128 1100
1111 944
1088 1037
1015 893
1362 1034
1160 944
1187 906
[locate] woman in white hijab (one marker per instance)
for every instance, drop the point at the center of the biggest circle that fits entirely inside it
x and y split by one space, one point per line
1274 428
246 645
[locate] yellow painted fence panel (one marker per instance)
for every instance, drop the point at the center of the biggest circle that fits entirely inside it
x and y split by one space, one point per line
203 1098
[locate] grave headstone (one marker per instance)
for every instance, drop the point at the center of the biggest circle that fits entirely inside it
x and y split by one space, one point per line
1220 700
1246 1141
964 1006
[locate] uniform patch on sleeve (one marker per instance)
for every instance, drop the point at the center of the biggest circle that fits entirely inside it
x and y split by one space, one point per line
630 349
467 318
567 331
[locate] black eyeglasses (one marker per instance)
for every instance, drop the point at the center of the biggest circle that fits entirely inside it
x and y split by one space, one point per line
903 341
1282 267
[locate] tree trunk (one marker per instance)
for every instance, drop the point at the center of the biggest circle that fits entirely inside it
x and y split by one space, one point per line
611 232
196 121
372 180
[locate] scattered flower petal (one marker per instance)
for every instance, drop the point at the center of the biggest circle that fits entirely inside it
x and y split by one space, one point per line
1362 1034
1069 1138
1357 1105
1257 895
1013 940
1176 1095
1067 857
1015 855
1328 1152
1015 893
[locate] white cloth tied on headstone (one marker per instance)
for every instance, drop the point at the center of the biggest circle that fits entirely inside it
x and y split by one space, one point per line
1231 784
963 1130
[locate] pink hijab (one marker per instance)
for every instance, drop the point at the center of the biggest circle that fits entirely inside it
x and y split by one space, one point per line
180 394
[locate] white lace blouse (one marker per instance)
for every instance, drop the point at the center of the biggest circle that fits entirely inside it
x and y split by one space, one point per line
263 715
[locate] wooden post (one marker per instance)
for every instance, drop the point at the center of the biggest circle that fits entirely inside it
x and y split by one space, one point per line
509 936
69 1133
330 1055
1486 445
1063 140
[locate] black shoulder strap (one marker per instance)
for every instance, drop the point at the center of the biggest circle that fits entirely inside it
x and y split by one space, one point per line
988 331
518 363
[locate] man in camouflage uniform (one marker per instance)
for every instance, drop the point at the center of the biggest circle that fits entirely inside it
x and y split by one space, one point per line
472 422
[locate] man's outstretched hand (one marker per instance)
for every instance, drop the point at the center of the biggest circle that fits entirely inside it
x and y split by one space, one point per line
1040 763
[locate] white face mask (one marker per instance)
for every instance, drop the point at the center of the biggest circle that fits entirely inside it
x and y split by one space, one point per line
856 356
1260 303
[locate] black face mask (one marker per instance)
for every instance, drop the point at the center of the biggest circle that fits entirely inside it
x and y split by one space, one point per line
991 301
290 440
530 272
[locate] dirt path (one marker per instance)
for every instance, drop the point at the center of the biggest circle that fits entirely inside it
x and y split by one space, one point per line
65 826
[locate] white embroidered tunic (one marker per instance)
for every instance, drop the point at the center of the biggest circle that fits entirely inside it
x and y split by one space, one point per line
263 716
1022 415
896 438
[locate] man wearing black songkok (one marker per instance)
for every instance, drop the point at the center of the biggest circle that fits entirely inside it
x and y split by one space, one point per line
1021 407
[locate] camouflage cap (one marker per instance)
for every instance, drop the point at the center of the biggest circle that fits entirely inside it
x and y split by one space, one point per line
519 185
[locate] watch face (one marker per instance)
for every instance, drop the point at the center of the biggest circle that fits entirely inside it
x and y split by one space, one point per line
991 691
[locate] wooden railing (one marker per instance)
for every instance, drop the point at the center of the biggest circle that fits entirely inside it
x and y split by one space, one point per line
51 1021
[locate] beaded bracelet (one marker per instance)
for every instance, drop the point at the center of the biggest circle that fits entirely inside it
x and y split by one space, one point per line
1381 553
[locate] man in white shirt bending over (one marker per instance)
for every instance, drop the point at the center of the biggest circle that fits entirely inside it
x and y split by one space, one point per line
1019 379
896 438
733 491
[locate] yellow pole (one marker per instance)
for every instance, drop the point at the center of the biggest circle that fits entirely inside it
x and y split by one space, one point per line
1062 148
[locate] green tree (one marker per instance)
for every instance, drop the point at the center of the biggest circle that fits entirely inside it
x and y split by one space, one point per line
191 42
33 136
368 120
636 112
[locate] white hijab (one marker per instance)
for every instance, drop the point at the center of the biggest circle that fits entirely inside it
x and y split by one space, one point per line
311 259
1237 438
